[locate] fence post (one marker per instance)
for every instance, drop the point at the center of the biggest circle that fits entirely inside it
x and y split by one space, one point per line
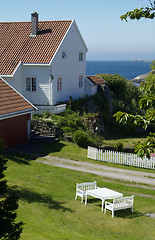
101 155
145 162
105 155
110 156
122 158
131 161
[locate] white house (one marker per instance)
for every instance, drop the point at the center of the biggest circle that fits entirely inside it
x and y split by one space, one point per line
43 60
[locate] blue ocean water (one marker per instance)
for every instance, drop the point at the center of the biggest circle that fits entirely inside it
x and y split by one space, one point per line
127 69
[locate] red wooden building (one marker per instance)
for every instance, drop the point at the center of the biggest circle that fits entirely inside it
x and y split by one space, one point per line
15 116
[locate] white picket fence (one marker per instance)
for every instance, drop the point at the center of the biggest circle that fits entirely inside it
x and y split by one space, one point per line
120 158
51 109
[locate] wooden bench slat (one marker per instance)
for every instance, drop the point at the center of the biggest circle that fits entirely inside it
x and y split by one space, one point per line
81 189
119 204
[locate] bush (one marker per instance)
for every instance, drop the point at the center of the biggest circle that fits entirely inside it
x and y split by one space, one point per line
81 138
119 147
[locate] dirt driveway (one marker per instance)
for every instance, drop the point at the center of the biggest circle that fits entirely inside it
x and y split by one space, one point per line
135 177
103 171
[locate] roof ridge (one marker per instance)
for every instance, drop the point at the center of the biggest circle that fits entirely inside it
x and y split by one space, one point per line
69 20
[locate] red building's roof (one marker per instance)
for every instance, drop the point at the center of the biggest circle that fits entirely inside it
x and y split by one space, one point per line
11 101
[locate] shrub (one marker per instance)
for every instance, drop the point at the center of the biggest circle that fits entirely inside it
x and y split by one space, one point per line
81 138
119 147
46 114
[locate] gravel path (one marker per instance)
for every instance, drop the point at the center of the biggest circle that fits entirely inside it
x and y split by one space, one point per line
103 171
134 177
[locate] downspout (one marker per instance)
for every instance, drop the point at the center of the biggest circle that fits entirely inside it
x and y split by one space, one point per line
51 78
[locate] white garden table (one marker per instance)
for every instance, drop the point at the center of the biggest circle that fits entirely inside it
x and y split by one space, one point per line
103 194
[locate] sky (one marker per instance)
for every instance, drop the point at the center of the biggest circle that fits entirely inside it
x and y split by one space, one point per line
106 36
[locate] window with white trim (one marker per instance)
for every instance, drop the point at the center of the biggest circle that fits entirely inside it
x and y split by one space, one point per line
31 84
59 83
80 56
80 81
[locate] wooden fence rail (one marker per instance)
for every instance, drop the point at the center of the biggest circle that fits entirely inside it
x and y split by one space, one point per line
120 158
51 109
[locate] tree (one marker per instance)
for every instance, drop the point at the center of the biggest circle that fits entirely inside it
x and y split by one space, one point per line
147 100
147 103
147 12
9 229
124 94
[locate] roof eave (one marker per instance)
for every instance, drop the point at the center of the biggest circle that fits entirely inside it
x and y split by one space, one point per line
12 74
80 35
37 64
25 64
20 95
61 42
16 114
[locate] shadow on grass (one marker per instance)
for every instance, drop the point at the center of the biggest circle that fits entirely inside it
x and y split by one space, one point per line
27 152
126 213
46 200
19 158
51 147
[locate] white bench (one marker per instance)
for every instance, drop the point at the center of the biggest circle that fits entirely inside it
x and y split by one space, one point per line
81 189
119 204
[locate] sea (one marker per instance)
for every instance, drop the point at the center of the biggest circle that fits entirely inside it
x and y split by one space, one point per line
127 69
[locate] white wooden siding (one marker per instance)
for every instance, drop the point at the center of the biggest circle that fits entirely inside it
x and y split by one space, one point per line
68 68
71 68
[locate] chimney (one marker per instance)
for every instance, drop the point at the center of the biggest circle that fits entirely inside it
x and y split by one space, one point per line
34 24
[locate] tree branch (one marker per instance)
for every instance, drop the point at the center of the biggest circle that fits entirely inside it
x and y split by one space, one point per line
147 12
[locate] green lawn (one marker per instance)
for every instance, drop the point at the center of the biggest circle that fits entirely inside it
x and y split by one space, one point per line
49 211
71 151
127 142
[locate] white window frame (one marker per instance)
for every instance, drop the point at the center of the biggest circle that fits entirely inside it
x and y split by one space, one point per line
59 84
31 84
28 85
80 56
80 81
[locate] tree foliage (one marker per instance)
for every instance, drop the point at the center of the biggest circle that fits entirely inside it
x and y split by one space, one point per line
146 148
147 103
125 95
9 229
146 12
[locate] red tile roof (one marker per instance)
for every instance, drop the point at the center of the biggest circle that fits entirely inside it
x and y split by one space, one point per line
95 79
11 101
16 44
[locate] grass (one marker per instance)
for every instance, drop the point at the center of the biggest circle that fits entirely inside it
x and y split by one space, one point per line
49 211
71 151
64 149
127 142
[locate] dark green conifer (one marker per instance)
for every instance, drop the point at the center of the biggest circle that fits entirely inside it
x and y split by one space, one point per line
9 229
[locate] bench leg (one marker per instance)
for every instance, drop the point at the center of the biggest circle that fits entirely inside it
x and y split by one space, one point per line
82 199
104 210
85 199
76 197
112 213
102 204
